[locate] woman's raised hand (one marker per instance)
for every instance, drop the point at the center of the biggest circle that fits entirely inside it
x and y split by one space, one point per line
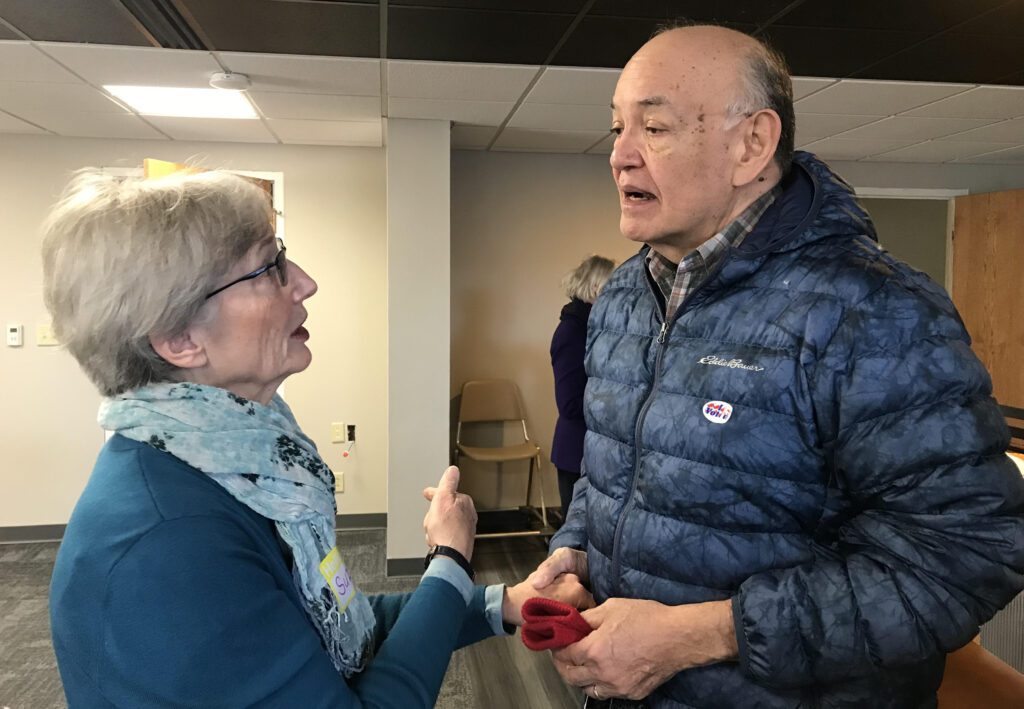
451 519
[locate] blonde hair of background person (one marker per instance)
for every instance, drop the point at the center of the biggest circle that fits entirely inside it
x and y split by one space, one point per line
586 280
200 565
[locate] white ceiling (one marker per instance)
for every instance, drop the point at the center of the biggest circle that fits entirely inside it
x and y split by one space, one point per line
54 88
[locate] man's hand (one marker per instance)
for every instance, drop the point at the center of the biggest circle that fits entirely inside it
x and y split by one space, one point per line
566 588
563 561
637 645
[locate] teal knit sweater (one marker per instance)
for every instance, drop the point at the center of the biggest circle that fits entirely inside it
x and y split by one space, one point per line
167 592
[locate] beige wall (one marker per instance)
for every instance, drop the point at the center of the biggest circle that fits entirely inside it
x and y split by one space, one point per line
335 225
519 222
913 230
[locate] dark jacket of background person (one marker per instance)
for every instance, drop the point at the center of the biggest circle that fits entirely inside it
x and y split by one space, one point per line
130 631
568 346
857 504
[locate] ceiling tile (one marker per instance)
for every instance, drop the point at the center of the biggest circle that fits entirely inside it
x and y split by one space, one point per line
20 61
605 41
35 101
100 125
982 102
604 147
914 129
354 133
483 113
837 52
8 34
541 141
343 29
813 126
748 11
1011 131
470 35
953 56
1006 20
136 66
552 116
472 137
313 75
563 6
213 129
875 98
927 15
841 149
92 21
592 87
320 107
1012 156
10 124
939 151
462 82
805 86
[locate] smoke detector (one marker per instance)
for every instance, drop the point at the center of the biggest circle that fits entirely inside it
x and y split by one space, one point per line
230 81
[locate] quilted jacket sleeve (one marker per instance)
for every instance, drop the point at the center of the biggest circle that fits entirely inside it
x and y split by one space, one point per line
932 541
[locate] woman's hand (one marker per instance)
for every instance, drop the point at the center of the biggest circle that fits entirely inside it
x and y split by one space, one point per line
565 588
451 519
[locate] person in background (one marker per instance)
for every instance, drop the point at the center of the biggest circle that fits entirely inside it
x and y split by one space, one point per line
796 492
568 345
200 566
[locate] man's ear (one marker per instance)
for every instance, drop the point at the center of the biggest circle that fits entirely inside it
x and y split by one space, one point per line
181 350
760 137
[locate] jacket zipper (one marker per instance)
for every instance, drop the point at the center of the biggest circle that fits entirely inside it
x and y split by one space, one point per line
666 323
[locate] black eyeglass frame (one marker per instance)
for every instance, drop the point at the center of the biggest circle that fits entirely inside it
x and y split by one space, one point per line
280 262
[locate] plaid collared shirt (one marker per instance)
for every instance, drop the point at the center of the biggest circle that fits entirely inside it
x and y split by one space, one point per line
677 282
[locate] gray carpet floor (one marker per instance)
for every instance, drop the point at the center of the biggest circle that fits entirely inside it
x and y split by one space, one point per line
498 673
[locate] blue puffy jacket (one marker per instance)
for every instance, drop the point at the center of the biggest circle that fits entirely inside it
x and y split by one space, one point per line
811 436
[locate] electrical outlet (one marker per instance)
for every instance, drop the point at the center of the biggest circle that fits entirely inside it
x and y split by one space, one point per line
339 481
45 336
339 433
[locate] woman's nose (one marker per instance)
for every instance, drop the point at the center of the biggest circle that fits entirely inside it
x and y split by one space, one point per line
305 286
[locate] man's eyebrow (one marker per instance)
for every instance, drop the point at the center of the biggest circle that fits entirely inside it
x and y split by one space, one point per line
649 101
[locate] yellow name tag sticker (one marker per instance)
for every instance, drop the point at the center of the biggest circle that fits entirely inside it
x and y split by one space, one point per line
336 574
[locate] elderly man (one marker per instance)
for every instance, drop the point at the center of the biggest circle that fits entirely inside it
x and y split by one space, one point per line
795 488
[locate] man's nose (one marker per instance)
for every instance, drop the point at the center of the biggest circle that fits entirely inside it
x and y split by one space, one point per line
625 152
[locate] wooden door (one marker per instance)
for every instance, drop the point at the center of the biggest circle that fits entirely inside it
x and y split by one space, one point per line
988 284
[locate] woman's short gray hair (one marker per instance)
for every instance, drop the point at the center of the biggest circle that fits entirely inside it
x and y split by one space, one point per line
124 259
586 280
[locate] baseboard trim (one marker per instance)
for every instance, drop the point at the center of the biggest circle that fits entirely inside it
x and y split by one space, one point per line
404 567
372 520
55 532
32 533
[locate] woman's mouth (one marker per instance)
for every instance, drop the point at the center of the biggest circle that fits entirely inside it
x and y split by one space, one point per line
301 333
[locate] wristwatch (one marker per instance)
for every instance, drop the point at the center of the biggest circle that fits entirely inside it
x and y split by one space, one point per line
453 554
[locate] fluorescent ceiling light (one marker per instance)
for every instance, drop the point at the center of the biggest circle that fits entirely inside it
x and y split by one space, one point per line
184 103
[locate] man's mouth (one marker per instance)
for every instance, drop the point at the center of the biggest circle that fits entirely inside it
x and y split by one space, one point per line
637 196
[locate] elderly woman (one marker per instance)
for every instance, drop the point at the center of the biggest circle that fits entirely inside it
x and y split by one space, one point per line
568 345
199 567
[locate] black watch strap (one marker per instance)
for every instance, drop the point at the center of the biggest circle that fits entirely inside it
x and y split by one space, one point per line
453 554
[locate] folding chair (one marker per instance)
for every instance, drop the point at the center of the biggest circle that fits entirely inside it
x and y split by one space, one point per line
497 401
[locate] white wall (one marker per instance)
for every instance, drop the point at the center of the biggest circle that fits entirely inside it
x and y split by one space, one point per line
335 224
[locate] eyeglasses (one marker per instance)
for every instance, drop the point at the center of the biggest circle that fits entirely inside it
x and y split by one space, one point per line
280 262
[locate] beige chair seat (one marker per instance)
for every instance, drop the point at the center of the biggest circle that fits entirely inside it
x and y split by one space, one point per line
496 401
521 451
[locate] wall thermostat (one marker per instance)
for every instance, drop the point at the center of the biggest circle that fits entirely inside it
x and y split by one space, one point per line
15 335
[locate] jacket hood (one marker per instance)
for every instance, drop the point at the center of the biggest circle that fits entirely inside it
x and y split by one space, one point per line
815 202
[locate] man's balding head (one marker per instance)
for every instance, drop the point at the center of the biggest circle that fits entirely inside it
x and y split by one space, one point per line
760 80
700 134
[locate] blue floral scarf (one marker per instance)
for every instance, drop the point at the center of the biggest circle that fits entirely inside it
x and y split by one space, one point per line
258 454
